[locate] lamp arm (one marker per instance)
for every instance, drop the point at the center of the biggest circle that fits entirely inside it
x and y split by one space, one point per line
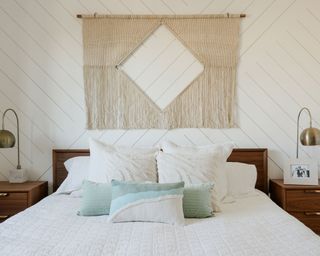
298 124
18 137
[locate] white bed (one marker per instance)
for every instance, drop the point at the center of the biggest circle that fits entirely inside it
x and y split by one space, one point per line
250 226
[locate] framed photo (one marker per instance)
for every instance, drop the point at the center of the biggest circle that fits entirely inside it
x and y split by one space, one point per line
301 172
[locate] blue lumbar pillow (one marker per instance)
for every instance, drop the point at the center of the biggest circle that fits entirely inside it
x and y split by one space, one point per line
150 202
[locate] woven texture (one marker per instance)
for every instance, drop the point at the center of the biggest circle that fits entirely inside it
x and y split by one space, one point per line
114 101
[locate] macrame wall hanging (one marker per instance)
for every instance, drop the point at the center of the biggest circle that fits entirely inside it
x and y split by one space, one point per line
113 100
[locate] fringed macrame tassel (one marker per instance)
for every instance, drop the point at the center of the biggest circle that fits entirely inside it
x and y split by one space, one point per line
114 101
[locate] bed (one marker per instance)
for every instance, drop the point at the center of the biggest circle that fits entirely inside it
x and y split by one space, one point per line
253 225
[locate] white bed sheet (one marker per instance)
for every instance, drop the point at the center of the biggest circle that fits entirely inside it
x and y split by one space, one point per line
250 226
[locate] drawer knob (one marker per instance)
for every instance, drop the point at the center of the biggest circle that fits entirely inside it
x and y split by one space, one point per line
3 194
2 217
312 213
317 191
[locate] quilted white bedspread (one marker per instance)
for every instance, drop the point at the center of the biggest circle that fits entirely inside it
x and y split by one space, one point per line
250 226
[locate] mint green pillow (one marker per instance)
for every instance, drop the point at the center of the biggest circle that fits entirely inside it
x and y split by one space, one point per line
96 199
197 201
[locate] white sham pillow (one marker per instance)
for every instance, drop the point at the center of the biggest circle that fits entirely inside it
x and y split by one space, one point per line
224 150
241 177
120 163
77 168
194 168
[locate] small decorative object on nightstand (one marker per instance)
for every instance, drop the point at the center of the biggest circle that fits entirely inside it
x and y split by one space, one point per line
303 202
8 140
15 198
301 172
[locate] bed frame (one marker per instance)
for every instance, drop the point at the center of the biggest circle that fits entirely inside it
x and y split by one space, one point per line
256 156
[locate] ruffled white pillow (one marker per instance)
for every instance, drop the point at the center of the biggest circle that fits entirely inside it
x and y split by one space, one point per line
120 163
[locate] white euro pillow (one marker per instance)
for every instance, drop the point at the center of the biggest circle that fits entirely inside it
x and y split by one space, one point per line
121 163
77 168
194 168
241 177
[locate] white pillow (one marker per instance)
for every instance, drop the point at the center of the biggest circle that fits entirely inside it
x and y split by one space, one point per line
120 163
242 178
194 169
223 149
78 168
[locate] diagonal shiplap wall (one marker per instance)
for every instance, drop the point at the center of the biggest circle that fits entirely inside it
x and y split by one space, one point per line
41 76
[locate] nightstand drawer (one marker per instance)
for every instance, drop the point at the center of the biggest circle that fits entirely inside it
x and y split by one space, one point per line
310 219
12 203
8 196
16 197
303 200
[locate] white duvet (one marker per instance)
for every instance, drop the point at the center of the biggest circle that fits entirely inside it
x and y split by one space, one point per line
250 226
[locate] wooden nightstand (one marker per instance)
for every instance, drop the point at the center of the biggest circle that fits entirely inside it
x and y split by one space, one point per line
16 197
303 202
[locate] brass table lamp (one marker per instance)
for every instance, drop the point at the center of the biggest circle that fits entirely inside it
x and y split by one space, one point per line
309 136
8 140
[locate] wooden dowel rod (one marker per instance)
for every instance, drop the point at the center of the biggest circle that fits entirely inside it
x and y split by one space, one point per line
80 16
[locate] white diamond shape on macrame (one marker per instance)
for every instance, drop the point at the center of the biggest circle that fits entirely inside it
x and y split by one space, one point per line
162 67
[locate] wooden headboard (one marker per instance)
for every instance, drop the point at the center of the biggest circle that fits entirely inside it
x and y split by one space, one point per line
256 156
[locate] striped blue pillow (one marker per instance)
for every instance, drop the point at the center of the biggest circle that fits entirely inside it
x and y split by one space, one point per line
151 202
197 200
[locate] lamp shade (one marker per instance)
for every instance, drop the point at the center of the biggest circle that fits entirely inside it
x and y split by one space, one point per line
7 139
310 137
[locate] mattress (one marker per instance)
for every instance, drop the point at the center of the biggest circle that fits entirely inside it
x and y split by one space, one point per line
252 225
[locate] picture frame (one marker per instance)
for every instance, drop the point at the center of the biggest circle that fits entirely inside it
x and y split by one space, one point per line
301 172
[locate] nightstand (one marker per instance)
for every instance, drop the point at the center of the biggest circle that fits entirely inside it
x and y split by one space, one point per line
16 197
303 202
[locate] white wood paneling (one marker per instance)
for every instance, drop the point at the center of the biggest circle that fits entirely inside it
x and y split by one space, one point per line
162 67
41 77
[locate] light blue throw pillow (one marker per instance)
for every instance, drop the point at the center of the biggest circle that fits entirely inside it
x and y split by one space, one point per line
197 201
96 199
150 202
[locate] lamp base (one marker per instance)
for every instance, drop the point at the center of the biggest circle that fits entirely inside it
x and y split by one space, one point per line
18 176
